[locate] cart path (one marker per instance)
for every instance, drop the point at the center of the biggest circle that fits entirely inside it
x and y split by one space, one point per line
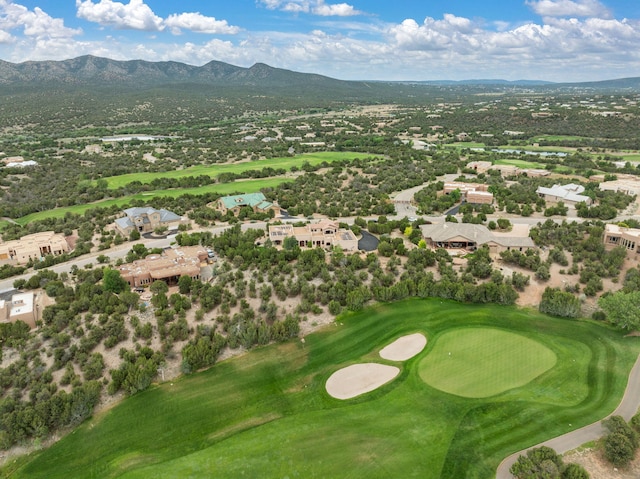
627 409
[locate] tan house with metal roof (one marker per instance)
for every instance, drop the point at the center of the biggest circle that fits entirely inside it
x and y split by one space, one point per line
256 201
466 237
34 246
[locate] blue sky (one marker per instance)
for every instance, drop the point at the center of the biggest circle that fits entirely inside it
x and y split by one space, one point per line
556 40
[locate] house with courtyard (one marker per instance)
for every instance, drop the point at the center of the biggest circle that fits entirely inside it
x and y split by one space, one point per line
325 234
475 193
256 201
629 238
146 219
628 184
462 238
168 266
569 194
34 246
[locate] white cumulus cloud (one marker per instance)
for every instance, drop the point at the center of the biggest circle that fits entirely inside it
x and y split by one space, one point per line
316 7
335 10
199 23
34 23
135 15
569 8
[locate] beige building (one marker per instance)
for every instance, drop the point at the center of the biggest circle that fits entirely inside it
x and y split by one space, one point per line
615 235
325 234
35 246
629 185
471 192
464 237
21 307
146 219
168 266
480 166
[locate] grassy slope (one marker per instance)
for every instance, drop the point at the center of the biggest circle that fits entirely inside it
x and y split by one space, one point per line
266 414
248 186
216 169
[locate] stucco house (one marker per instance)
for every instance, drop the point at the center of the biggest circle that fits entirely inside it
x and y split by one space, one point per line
34 246
146 219
21 307
168 266
615 235
476 193
256 201
467 237
325 234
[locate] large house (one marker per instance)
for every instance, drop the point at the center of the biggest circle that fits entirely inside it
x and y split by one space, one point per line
34 246
168 266
20 307
568 194
466 237
256 201
475 193
615 235
325 234
146 219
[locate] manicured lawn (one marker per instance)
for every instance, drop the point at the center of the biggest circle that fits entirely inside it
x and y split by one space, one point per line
521 163
216 169
248 186
483 362
538 139
267 414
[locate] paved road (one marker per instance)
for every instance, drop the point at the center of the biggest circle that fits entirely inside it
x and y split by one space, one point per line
627 409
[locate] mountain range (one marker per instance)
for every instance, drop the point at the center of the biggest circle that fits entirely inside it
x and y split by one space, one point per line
96 71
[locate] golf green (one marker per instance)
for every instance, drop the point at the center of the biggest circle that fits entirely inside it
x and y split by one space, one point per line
483 362
267 413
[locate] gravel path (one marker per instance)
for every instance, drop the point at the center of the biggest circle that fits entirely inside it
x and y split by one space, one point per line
571 440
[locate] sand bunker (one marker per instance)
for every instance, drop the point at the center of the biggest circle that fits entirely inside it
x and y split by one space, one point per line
358 379
404 348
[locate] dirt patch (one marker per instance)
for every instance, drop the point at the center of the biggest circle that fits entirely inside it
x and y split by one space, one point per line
593 460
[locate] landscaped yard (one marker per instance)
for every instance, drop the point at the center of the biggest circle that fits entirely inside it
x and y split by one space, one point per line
267 413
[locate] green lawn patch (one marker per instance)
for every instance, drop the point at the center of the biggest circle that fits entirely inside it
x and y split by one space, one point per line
267 413
248 186
521 163
482 362
214 170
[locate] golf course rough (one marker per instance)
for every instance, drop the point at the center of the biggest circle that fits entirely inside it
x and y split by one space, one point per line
483 362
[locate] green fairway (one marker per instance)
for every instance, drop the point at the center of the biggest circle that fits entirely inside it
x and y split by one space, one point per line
267 414
482 362
521 163
248 186
216 169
